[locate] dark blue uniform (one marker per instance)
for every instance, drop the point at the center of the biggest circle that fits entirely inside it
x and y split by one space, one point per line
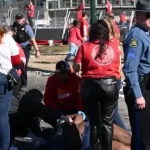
137 73
24 34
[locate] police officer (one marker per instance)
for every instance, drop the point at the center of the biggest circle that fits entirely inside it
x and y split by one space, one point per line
137 73
23 34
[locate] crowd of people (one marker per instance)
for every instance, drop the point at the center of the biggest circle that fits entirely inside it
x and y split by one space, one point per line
82 109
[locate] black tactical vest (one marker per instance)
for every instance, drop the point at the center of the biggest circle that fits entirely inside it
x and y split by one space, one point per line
21 36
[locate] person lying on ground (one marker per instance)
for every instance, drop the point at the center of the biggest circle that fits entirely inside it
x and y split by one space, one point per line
121 138
26 109
77 137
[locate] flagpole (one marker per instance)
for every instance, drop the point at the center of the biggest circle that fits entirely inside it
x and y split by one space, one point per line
93 11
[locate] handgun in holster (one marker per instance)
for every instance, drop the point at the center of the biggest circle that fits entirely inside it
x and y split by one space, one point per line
145 81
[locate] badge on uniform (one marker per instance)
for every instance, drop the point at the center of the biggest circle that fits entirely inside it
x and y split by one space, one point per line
131 54
133 42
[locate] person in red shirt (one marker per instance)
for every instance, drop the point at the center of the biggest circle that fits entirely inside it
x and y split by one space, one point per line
98 61
123 20
108 7
75 39
79 12
30 12
62 91
84 26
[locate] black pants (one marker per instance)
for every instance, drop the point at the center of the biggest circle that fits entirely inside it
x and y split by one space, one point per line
100 99
25 69
30 19
28 115
139 120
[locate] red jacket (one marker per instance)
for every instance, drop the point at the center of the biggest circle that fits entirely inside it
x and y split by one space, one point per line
30 10
122 18
79 15
109 8
75 36
63 97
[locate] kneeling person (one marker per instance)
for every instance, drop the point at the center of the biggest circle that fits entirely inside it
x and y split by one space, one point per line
62 91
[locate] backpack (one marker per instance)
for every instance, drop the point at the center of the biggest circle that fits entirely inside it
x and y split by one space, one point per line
66 36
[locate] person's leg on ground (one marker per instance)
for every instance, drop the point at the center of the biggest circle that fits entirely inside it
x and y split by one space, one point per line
5 99
72 51
16 121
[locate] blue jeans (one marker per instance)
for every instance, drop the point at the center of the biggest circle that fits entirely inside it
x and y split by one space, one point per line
86 137
72 52
117 117
5 99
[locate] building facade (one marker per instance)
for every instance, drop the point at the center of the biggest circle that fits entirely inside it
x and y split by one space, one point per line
62 4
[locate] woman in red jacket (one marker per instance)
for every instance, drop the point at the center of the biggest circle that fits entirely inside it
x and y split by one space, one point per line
98 61
75 39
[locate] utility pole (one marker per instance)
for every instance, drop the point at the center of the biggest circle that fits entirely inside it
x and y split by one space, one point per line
93 11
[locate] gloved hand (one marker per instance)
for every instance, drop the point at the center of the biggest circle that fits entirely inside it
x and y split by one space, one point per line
66 119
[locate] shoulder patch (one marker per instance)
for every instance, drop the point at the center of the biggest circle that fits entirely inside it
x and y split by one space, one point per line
133 42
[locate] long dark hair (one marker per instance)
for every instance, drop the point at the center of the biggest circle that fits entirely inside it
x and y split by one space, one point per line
100 32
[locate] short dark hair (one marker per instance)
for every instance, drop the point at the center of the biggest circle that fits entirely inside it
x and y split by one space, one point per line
75 23
84 14
19 16
62 67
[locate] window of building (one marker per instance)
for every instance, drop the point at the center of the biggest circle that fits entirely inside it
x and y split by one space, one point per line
76 3
100 2
52 4
64 3
87 3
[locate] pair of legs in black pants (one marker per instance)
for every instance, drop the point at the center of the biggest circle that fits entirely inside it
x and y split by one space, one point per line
100 99
139 120
25 112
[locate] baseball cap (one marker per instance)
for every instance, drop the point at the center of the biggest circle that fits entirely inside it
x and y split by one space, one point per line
62 67
19 16
143 5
